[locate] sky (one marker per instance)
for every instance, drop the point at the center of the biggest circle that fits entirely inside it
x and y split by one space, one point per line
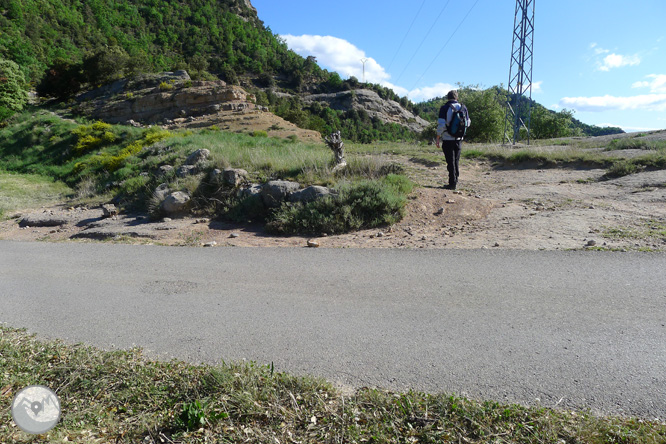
604 60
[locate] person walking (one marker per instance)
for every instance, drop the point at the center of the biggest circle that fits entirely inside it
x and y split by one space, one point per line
451 127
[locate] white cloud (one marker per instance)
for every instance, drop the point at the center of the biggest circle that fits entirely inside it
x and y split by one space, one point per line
430 92
344 58
657 85
618 61
649 102
598 50
338 55
536 87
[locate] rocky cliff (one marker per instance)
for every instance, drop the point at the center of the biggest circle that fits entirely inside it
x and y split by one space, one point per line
388 111
173 100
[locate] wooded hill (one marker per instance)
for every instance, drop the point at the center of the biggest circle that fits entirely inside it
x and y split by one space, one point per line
64 46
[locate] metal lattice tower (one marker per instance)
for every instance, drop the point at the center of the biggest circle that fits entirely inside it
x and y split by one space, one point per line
520 73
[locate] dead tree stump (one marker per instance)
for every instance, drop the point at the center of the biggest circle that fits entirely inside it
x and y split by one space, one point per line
335 143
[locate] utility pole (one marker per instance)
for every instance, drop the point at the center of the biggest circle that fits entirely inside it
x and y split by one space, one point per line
363 60
520 73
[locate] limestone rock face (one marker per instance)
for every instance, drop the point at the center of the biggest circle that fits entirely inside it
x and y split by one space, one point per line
156 98
388 111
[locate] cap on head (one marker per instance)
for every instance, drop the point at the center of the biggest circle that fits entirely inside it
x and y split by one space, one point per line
452 95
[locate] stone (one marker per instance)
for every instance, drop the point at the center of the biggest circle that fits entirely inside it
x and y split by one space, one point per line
440 211
175 203
161 192
197 157
313 243
43 220
309 194
234 235
210 244
275 192
250 191
164 170
234 176
186 170
215 175
591 243
109 210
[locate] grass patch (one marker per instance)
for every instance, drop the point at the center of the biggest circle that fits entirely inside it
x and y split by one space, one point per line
647 230
24 191
637 144
122 397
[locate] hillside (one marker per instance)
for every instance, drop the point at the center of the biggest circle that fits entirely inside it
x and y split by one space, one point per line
65 47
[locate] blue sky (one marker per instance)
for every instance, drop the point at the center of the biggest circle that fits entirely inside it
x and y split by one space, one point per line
605 60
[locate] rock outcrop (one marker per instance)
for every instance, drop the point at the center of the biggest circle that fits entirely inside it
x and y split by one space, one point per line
164 99
388 111
173 100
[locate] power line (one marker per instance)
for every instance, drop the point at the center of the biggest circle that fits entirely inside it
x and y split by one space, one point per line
405 37
423 41
445 44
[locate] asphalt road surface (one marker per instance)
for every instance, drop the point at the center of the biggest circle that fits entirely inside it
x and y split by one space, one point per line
565 329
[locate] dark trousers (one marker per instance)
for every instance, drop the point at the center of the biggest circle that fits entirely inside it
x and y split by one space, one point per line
452 150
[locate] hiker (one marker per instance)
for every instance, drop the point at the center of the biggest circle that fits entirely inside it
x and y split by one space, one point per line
451 127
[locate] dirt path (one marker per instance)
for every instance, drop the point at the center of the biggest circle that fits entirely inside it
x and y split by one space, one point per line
524 208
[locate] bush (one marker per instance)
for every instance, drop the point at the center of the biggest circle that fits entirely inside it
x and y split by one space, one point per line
365 204
621 168
12 89
92 136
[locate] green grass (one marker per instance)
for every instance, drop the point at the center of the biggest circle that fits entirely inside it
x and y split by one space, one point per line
646 229
26 191
637 144
122 397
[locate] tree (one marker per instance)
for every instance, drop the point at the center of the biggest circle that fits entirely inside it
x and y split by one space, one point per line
62 79
13 94
546 124
486 112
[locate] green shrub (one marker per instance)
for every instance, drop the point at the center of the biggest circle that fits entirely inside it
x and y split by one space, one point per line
365 204
93 136
622 168
164 86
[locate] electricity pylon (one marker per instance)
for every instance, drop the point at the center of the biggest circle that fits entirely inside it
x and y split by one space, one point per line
520 73
363 60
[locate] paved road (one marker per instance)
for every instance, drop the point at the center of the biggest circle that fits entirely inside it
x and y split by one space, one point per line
573 329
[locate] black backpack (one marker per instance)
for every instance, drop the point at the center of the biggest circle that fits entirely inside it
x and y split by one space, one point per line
459 119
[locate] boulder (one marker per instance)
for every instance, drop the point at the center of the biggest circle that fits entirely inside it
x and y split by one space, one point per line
186 170
109 210
309 194
164 170
275 192
234 176
253 189
215 175
197 157
161 192
175 203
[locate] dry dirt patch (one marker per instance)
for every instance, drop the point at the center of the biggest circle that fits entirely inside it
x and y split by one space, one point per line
512 208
